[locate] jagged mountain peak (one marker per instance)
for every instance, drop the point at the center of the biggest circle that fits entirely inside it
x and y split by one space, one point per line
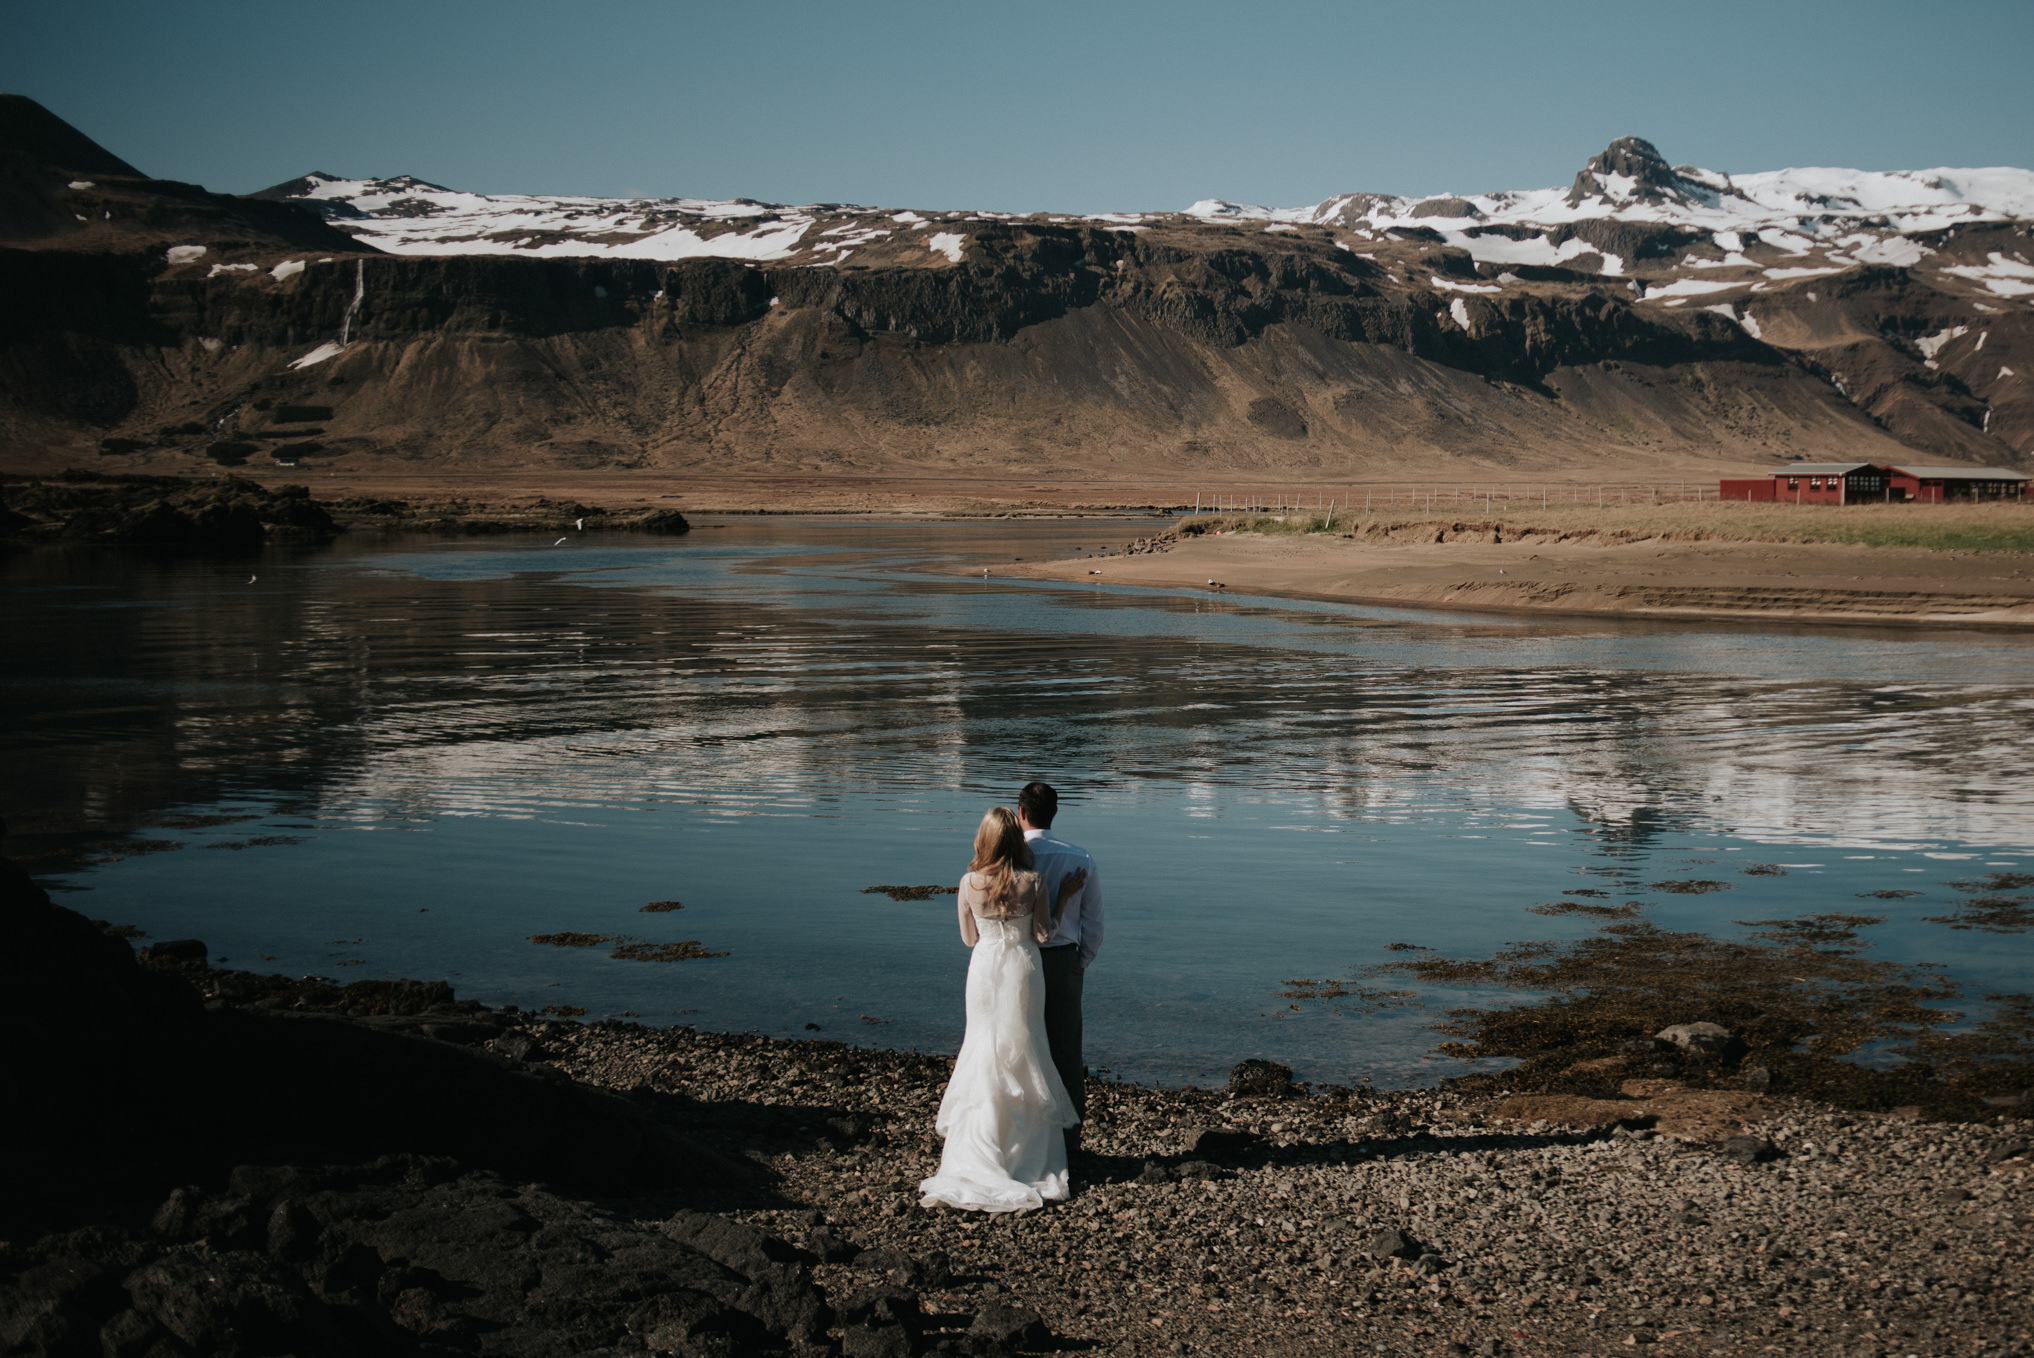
1635 157
1631 169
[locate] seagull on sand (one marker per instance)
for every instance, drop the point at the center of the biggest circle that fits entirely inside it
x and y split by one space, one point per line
1216 584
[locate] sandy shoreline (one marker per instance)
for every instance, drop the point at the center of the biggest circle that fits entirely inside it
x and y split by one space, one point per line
1965 567
1477 569
1665 561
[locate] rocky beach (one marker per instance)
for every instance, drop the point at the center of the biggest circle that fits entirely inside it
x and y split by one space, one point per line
217 1162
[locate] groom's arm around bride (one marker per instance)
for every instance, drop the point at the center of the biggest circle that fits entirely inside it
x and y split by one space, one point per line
1076 937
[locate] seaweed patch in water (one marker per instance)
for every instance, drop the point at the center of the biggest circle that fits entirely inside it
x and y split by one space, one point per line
1887 894
1587 891
911 893
1763 870
1350 997
637 950
660 907
1989 908
201 822
563 1010
259 841
572 940
135 848
1693 886
1995 881
1799 995
1992 914
1626 911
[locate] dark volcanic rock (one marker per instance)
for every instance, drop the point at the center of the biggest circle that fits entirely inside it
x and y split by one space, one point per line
401 1255
234 516
1391 1244
1749 1150
880 1322
1256 1079
1221 1142
665 521
1007 1328
230 1304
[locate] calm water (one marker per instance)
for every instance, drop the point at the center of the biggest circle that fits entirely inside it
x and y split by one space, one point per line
452 745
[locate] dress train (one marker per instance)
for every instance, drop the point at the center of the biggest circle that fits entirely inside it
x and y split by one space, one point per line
1005 1111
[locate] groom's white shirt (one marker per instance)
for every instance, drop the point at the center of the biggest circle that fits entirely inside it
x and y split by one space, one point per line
1053 858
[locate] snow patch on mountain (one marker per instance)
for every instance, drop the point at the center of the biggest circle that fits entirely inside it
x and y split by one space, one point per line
2001 276
409 216
329 349
1627 212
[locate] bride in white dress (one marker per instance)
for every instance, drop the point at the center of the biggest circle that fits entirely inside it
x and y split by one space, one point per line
1005 1112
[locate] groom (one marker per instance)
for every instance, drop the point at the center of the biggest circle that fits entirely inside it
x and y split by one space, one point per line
1073 943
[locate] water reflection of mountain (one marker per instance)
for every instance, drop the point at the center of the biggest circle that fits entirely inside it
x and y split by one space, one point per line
153 682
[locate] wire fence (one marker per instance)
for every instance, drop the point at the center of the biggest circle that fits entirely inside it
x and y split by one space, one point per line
1464 496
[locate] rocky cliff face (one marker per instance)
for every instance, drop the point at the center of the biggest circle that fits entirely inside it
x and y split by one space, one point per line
178 336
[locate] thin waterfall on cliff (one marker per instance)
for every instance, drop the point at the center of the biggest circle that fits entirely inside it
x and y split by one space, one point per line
353 307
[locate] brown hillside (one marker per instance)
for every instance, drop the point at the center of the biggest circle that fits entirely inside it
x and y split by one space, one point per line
166 331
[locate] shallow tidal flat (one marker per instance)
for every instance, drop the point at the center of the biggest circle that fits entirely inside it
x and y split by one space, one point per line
1893 566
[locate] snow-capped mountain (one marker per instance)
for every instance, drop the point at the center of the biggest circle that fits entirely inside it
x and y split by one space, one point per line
1628 214
1631 181
1769 226
1645 315
408 216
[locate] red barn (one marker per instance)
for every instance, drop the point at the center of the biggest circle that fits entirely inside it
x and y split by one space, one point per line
1933 485
1813 483
1851 483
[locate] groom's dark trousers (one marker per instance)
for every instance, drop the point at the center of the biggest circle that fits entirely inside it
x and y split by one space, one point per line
1063 1024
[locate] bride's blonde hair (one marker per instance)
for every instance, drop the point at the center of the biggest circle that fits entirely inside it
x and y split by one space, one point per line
1000 850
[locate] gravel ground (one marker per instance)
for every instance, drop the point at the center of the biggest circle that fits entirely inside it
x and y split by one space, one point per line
1407 1223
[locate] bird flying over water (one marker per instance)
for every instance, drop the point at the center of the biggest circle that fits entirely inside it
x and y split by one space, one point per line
252 578
559 543
580 524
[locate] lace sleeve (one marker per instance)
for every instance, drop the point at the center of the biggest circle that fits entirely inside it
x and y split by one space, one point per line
970 935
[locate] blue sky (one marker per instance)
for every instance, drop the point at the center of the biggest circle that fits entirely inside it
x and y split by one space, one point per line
1041 106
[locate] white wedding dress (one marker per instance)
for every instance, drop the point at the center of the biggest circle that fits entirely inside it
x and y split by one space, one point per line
1005 1111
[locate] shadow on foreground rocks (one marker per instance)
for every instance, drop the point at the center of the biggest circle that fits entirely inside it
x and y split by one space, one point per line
212 1162
209 1179
128 1083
